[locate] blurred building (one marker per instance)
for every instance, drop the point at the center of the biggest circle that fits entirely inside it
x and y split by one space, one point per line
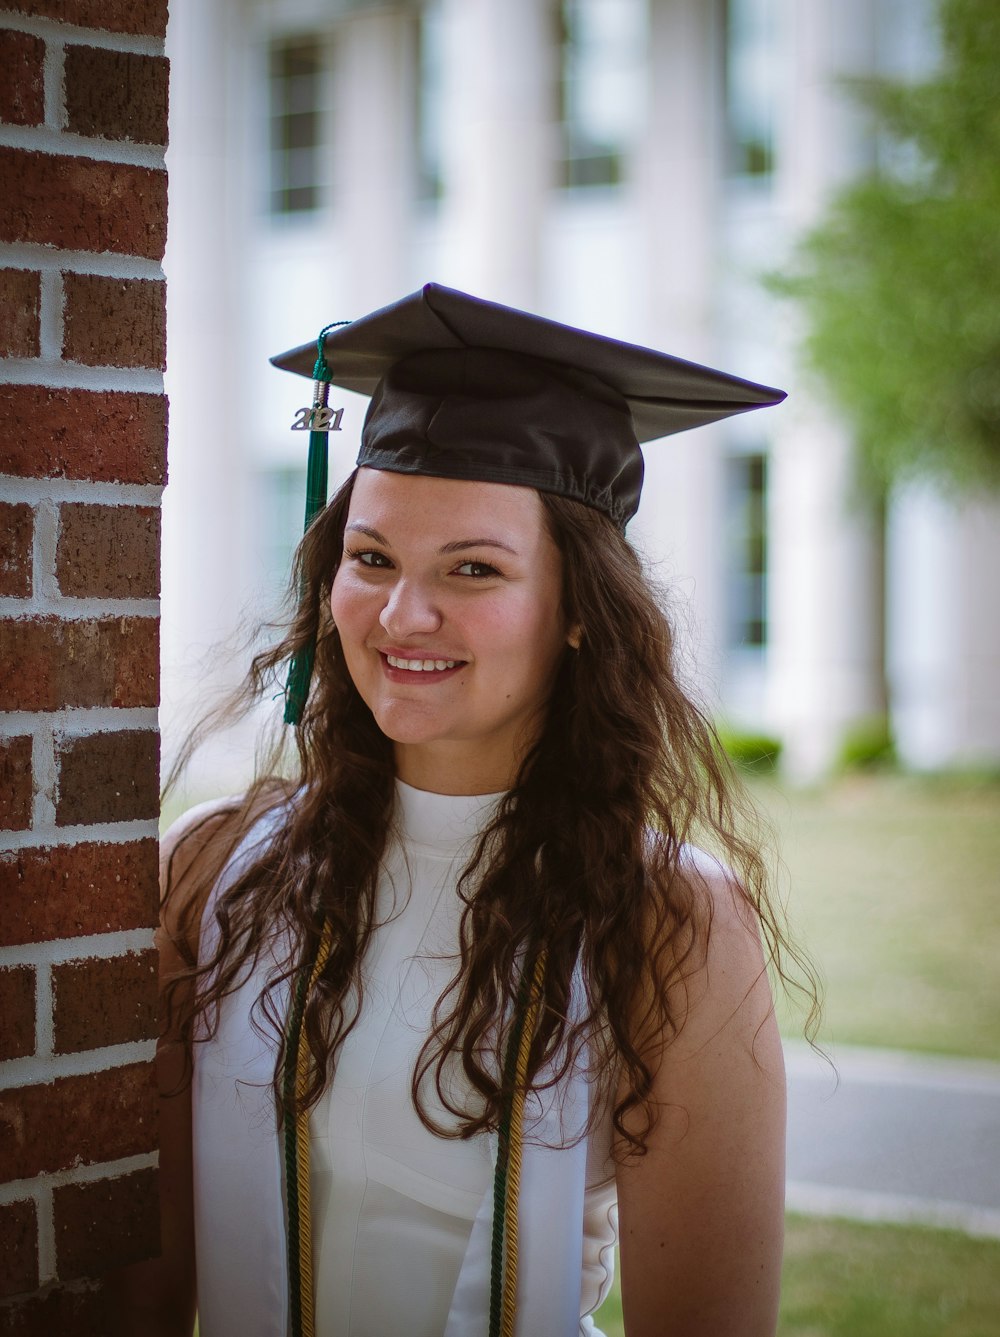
631 166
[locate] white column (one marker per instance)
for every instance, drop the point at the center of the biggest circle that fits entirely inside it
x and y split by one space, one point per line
374 152
679 522
825 590
826 598
944 628
499 101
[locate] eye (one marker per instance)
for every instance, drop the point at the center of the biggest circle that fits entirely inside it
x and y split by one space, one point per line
369 557
477 570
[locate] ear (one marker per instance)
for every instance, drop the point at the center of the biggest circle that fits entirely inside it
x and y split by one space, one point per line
574 637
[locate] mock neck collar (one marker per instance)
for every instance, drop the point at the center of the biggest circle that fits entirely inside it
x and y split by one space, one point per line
443 823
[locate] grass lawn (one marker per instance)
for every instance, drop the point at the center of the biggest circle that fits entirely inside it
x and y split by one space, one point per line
895 889
843 1279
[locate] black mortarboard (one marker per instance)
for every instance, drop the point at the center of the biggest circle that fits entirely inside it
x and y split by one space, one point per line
463 388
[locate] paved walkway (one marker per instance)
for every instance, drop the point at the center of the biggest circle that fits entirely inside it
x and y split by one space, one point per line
895 1137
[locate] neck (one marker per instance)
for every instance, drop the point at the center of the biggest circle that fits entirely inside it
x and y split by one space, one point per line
454 770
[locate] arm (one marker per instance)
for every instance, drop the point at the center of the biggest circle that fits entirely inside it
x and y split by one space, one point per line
702 1213
157 1298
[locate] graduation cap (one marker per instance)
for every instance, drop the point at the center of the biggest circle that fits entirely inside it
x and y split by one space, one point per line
465 388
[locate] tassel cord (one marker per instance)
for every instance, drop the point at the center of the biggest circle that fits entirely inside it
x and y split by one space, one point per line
301 1292
507 1177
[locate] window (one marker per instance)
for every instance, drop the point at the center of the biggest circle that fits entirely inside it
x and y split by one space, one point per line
297 129
752 78
601 87
746 550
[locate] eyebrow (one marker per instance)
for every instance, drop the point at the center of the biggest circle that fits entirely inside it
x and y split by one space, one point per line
457 545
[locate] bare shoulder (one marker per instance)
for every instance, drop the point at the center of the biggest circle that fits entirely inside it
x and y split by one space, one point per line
189 837
724 985
193 851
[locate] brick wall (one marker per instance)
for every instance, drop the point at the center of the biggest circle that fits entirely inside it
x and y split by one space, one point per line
83 99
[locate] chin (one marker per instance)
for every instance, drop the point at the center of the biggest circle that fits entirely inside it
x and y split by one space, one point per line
402 727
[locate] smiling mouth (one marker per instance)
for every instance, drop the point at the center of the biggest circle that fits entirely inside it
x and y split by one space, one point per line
422 665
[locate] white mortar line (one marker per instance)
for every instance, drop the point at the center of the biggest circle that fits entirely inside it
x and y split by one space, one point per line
43 1070
44 776
78 719
77 610
33 490
53 30
54 81
59 950
104 833
37 546
55 374
33 255
17 1190
50 320
44 587
46 1234
45 139
44 1026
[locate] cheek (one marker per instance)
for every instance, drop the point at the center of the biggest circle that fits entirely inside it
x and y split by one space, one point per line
349 607
529 640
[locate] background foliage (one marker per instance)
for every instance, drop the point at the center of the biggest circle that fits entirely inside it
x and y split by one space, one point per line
899 283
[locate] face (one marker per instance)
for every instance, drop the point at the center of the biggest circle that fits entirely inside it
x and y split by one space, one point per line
448 600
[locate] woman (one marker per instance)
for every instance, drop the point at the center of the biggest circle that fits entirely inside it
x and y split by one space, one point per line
463 1002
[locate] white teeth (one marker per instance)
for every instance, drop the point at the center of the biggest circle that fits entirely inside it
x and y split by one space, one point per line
421 665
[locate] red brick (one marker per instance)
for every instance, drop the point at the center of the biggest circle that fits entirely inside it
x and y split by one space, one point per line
16 790
116 94
108 552
81 204
16 534
104 1001
20 307
115 322
129 16
79 1309
17 1008
108 777
18 1249
22 89
106 436
101 1116
46 663
106 1224
72 890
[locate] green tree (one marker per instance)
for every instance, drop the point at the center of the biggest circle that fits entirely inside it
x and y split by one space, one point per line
900 283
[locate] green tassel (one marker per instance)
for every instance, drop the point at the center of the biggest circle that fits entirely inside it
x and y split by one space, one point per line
317 479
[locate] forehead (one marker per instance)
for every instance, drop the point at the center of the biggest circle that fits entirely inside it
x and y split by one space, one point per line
412 506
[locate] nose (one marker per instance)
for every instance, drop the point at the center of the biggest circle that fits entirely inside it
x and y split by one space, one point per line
409 611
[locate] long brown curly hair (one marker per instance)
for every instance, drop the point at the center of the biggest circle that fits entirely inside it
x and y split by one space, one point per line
583 856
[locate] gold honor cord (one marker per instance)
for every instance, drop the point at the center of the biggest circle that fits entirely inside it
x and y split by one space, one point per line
303 1295
507 1183
508 1316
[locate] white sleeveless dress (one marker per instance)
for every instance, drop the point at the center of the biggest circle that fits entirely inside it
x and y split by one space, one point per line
402 1217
